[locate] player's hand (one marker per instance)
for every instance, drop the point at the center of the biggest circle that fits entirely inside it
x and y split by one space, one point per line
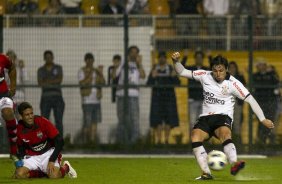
12 92
175 56
139 61
50 168
154 73
268 123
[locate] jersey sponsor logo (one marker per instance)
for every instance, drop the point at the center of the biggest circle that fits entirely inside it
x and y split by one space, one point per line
39 147
239 89
39 135
210 99
199 73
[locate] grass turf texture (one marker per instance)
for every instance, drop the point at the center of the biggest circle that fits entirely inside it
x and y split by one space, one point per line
153 171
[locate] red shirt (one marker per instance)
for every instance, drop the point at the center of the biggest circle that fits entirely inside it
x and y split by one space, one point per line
5 63
38 138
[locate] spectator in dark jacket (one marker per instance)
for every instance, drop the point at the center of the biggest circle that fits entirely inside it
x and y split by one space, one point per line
163 114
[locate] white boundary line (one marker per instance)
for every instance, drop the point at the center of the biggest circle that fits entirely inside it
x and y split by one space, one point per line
141 156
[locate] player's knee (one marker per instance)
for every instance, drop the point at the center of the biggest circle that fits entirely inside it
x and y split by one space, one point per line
224 137
21 173
7 113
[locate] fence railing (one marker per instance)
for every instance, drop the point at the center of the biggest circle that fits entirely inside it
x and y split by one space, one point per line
213 32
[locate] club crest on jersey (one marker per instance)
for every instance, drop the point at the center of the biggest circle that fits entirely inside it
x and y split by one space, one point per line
224 90
39 135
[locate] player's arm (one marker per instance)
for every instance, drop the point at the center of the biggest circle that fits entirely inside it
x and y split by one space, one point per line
179 68
242 93
13 79
58 79
258 111
59 143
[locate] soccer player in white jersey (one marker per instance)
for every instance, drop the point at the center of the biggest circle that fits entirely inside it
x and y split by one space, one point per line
220 89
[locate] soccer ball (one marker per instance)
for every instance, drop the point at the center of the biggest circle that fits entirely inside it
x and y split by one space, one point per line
217 160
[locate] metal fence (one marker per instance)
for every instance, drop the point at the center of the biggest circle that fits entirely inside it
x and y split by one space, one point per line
70 37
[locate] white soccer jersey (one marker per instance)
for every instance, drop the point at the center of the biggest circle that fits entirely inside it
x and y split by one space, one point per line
219 98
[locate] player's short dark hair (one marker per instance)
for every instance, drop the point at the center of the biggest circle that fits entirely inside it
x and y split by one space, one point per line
118 57
48 52
219 60
162 54
23 106
88 56
133 47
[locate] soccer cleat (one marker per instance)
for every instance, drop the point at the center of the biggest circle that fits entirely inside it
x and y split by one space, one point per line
204 176
237 167
72 173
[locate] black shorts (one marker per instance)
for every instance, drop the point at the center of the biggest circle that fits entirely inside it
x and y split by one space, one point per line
211 122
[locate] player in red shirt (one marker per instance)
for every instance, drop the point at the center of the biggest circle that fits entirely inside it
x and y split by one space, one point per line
39 146
6 103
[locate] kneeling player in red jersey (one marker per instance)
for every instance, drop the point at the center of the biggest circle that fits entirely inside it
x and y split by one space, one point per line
39 146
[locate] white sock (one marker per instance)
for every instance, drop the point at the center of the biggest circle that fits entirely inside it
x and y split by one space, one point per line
231 153
201 156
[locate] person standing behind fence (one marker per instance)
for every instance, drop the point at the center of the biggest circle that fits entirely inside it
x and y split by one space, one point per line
111 80
128 122
163 114
90 97
265 83
50 77
195 90
238 106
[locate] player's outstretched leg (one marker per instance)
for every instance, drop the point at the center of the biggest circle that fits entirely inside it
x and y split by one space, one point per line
70 171
201 157
231 153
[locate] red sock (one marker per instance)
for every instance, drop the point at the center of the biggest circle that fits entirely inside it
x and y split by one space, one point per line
36 174
64 169
11 126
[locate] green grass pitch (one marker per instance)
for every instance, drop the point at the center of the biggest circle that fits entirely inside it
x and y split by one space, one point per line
153 171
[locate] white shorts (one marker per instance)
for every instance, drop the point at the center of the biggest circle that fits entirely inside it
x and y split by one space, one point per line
5 102
40 162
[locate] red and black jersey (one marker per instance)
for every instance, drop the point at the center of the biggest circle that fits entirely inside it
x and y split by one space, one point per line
5 63
38 138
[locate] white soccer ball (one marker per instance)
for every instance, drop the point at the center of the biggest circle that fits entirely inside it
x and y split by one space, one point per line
217 160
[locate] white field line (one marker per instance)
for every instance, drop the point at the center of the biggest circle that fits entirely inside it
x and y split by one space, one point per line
141 156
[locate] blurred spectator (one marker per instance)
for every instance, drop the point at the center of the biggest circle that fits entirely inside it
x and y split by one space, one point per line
91 97
22 77
112 7
163 114
277 93
26 7
50 77
137 7
190 7
128 122
265 84
195 90
72 7
238 107
54 7
192 25
272 9
111 80
216 25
